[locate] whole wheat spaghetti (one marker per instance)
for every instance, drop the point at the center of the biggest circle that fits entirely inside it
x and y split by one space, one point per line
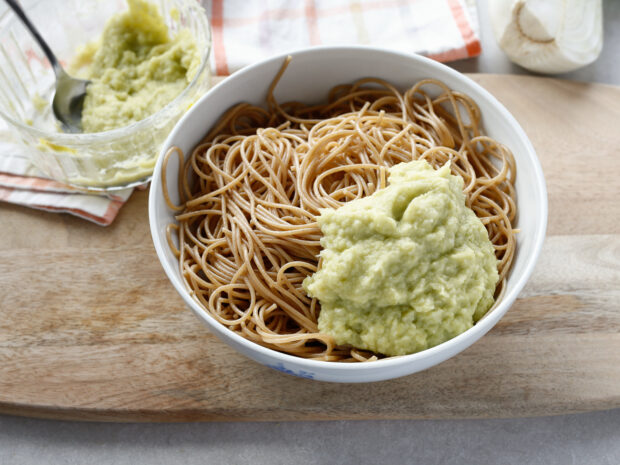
247 234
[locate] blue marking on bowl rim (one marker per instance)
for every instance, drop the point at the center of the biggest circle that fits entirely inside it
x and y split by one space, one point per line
301 373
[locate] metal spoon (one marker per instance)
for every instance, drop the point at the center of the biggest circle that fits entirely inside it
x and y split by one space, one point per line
70 92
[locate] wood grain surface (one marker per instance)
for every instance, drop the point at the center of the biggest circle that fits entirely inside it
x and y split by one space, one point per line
91 329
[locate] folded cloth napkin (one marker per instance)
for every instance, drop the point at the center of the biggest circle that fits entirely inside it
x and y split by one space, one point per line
23 184
246 31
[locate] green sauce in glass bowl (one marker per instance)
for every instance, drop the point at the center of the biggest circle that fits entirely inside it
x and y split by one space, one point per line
148 64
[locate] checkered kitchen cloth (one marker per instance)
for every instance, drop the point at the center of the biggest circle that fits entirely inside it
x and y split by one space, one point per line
246 31
22 184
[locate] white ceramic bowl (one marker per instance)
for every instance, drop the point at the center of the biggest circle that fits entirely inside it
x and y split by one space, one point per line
310 75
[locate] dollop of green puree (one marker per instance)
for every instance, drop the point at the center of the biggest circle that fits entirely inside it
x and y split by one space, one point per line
135 68
406 268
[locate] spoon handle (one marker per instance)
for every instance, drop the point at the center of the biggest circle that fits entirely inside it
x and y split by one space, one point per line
58 70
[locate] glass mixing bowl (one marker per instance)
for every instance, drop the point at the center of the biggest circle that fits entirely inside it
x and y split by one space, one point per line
107 160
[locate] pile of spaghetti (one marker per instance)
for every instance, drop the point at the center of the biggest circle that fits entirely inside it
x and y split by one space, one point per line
247 236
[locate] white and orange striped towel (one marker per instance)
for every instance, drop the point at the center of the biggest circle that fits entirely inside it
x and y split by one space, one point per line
23 184
246 31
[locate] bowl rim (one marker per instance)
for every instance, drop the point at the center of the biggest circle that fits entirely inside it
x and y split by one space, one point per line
454 345
87 138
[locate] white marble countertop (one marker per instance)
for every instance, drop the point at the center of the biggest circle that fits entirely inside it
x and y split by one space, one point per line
590 438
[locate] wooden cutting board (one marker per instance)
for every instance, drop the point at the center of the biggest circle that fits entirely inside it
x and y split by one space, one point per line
90 328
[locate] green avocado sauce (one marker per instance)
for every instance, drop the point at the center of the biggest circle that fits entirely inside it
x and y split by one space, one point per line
136 68
406 268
